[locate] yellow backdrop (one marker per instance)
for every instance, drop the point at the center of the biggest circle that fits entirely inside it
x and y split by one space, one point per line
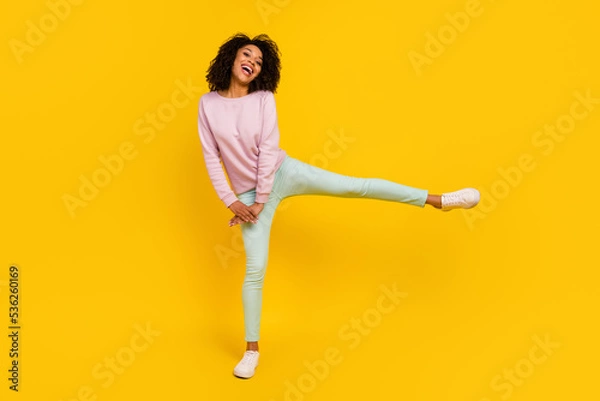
129 279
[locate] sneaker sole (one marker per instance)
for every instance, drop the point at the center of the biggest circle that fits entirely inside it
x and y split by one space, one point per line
240 376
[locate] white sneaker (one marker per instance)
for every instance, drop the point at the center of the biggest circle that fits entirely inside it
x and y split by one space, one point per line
245 368
462 199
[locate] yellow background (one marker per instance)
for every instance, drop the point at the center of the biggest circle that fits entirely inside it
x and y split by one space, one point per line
153 246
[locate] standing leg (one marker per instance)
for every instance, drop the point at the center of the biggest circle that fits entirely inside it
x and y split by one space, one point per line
256 246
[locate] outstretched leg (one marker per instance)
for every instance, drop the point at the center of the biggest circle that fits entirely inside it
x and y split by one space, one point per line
299 178
304 179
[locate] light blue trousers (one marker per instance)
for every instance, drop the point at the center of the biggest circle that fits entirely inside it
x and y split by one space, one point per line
295 177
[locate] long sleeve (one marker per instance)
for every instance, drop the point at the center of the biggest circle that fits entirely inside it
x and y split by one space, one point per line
212 159
268 149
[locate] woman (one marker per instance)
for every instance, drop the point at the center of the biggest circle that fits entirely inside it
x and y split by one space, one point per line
237 124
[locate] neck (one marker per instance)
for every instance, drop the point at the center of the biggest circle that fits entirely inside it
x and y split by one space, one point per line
236 89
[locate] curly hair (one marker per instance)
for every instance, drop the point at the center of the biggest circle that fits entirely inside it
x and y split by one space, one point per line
219 71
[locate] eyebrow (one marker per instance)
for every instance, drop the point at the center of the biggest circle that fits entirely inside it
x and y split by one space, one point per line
250 50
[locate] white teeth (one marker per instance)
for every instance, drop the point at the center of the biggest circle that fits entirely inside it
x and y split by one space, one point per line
248 69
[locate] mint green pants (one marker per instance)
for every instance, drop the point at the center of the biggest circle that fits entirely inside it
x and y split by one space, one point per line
298 178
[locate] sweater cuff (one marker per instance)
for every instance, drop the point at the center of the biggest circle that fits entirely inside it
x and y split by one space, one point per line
229 199
261 198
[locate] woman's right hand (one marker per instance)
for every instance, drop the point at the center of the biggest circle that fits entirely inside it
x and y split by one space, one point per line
243 212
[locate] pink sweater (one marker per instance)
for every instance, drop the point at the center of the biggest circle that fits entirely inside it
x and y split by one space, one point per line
242 133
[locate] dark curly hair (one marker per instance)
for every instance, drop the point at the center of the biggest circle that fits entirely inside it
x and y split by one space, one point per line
219 71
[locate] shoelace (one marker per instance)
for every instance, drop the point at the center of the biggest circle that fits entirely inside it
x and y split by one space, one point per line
452 199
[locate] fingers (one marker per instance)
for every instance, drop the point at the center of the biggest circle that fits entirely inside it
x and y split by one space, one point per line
247 217
238 220
243 212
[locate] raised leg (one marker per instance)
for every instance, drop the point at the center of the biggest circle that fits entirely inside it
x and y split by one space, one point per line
304 179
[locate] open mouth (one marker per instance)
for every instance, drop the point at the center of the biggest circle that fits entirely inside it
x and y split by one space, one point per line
247 70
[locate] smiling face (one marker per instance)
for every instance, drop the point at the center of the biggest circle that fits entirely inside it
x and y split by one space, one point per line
247 64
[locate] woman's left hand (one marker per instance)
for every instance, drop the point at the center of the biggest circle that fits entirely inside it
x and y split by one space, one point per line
256 209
